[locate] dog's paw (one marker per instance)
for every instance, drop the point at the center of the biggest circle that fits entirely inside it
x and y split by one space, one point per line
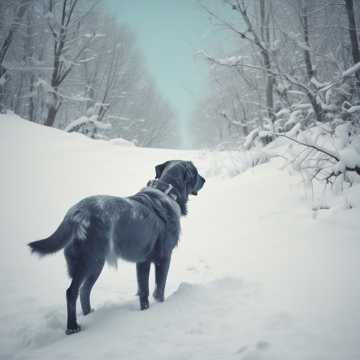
88 311
73 331
158 296
144 303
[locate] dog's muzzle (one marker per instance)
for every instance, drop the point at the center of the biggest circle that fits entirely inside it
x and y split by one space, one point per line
200 181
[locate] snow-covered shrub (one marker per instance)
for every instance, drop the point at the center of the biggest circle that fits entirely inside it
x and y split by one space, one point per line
232 163
328 153
122 142
89 126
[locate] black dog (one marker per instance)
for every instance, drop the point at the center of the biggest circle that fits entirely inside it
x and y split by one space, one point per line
143 228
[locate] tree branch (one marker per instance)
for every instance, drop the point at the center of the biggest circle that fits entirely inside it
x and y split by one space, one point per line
322 150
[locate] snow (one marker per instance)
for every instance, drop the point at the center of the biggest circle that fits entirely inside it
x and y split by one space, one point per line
294 118
231 60
250 138
350 157
283 112
353 109
349 151
317 83
294 131
342 135
86 120
351 70
121 142
299 43
3 79
228 61
257 274
94 35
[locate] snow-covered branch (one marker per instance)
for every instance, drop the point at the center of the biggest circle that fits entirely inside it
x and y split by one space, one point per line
76 124
346 160
350 71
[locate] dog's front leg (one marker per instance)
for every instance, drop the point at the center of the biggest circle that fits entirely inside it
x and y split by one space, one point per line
161 271
142 272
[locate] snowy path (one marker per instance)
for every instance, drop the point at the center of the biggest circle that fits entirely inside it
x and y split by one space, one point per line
255 275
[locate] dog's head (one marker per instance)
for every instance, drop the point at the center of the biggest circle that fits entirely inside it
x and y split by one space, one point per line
184 176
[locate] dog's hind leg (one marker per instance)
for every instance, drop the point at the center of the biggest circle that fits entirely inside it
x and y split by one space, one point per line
72 294
76 262
88 284
161 271
142 272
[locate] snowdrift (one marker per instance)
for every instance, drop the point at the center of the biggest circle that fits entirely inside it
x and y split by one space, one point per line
258 274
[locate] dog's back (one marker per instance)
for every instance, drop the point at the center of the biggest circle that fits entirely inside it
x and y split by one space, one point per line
125 227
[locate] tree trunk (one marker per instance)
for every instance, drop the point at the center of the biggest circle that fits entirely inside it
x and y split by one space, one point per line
54 103
305 26
265 37
353 34
269 87
57 75
53 107
14 26
2 89
31 109
51 116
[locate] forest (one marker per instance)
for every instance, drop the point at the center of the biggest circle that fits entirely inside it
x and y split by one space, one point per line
296 65
70 65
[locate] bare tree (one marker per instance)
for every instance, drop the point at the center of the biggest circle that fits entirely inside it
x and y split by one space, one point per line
309 86
64 24
73 66
20 9
257 36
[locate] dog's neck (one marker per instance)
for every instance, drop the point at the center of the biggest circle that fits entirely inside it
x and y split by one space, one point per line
164 187
171 190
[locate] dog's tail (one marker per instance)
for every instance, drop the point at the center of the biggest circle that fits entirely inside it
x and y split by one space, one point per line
74 225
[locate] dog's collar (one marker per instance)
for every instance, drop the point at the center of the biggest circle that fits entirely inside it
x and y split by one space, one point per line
164 187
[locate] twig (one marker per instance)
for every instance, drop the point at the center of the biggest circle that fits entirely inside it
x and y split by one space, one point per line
312 146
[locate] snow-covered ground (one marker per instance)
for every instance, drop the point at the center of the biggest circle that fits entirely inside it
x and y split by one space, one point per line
257 275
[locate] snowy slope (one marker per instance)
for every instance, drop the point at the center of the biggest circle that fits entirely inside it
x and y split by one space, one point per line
257 274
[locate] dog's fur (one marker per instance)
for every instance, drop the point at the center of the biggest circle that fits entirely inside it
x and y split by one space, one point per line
142 228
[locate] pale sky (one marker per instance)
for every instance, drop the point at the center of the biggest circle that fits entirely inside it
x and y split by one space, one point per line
169 33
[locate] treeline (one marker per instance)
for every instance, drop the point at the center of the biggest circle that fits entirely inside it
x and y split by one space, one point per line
68 64
296 66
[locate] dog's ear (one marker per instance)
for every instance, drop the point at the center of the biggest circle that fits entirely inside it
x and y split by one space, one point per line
190 171
160 168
